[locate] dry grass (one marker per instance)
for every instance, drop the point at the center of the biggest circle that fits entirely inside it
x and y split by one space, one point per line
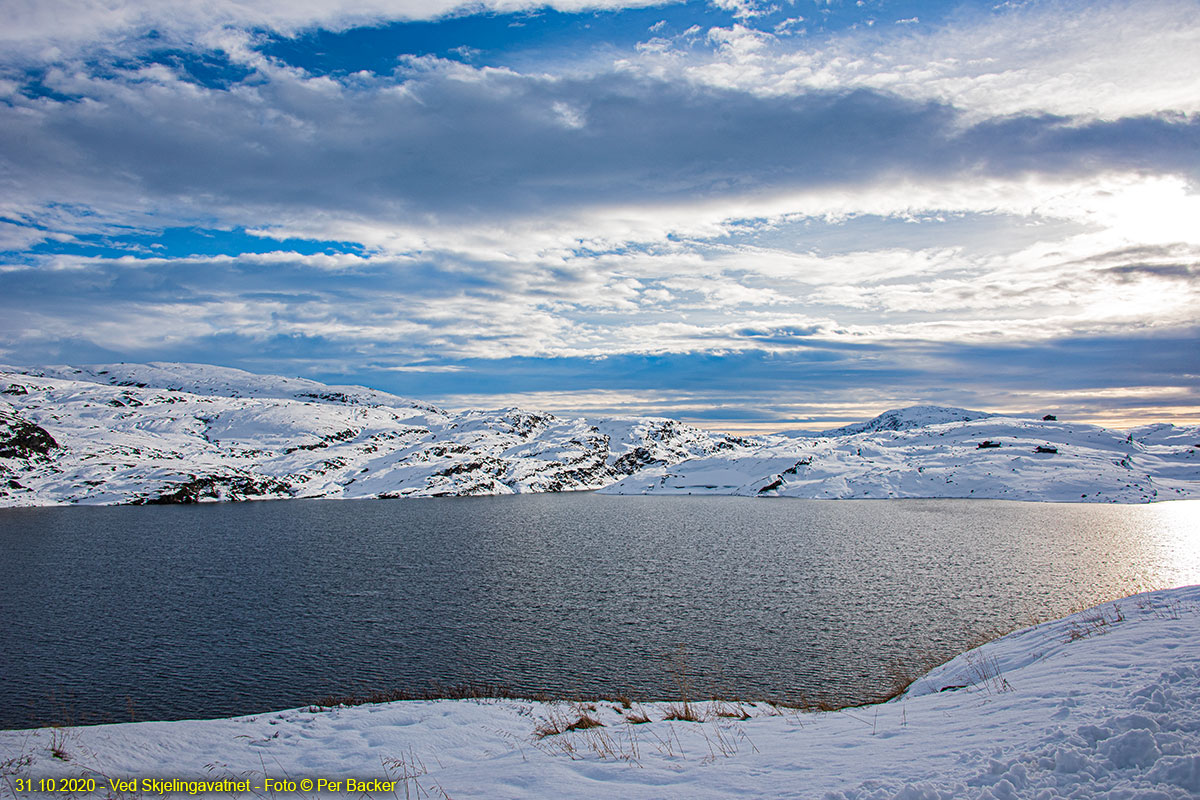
58 744
729 709
13 768
575 733
583 722
462 691
578 717
985 671
407 771
904 674
1095 622
682 712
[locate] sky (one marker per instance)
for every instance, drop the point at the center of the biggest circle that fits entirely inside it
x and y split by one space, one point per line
753 215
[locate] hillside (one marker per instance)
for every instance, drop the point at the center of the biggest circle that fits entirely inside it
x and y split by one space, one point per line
915 453
159 433
162 433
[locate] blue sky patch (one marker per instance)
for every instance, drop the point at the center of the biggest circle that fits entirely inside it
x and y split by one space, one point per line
185 243
526 38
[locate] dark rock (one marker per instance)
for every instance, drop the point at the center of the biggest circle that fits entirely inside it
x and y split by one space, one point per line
217 487
772 486
795 468
634 460
20 438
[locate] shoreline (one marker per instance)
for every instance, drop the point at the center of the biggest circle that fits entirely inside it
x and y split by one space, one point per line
1096 700
601 492
493 692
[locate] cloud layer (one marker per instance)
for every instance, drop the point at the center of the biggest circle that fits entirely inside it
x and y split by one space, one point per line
930 209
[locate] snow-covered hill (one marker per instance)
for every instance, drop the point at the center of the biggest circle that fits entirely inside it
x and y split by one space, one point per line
1101 704
152 433
901 419
933 452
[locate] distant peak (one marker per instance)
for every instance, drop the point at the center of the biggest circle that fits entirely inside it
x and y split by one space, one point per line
899 419
210 379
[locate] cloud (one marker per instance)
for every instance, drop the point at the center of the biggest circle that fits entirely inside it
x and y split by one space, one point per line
718 297
424 368
444 142
888 210
1102 60
441 155
760 391
1181 272
745 9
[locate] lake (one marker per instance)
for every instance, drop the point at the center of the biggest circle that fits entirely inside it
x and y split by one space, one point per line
171 612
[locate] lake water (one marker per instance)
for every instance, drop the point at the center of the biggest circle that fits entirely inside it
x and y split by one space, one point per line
215 610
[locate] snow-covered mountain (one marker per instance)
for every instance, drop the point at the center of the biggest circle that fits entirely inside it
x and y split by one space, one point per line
955 453
158 433
901 419
154 433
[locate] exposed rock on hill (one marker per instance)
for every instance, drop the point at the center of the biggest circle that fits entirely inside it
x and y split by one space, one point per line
185 433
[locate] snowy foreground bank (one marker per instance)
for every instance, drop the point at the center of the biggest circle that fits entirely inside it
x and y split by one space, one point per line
1104 703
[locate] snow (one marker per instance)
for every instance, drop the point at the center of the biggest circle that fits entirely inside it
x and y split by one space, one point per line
211 380
900 419
163 432
1103 703
913 455
136 433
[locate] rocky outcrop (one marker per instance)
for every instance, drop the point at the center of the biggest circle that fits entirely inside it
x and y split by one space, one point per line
177 433
20 438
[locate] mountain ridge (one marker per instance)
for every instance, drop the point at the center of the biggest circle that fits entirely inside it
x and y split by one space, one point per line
992 456
170 432
898 419
118 438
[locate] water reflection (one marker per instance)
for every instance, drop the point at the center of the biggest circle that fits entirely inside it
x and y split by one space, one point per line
217 610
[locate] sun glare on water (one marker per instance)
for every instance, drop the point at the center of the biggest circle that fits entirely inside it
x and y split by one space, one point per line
1179 522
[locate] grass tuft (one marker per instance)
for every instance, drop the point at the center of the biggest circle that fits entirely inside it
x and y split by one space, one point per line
683 712
556 722
583 722
637 717
462 691
58 744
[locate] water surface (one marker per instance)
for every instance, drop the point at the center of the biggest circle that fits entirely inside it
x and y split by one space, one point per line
213 610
